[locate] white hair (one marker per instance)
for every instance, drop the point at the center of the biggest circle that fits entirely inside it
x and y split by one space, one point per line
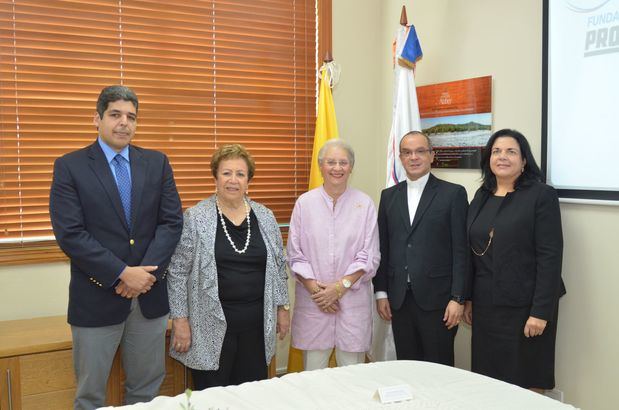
337 143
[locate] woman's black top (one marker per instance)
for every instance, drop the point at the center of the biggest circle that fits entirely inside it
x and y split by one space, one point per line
241 276
479 237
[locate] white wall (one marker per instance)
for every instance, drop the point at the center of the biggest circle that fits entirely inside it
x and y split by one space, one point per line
356 47
28 291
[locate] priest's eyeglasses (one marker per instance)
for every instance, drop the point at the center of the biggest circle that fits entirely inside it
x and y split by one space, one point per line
421 152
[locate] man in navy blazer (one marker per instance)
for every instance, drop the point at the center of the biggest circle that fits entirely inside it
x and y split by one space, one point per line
117 215
421 283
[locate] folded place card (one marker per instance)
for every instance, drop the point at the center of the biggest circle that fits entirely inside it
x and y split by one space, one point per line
392 394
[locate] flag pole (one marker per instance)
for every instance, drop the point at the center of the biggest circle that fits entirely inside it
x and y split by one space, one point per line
406 52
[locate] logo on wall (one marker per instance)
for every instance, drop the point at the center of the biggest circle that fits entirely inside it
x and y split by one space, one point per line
601 26
445 98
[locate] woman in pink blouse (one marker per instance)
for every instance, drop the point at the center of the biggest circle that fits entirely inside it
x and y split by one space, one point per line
334 253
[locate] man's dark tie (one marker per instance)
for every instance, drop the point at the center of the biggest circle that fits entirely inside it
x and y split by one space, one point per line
124 185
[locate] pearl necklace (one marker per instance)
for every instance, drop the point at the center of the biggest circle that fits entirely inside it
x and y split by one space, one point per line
223 224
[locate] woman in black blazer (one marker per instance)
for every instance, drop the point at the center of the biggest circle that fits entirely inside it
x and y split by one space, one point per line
514 226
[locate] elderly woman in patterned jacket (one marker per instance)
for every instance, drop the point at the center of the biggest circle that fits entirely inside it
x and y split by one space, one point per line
227 281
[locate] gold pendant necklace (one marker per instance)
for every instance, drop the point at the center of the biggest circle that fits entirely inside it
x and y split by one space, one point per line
490 235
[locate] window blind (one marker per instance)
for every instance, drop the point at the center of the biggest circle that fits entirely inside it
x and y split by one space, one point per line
207 73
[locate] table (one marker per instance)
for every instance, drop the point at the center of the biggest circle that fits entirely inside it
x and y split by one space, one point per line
355 387
433 386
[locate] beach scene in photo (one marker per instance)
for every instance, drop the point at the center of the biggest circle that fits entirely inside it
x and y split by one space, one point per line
471 130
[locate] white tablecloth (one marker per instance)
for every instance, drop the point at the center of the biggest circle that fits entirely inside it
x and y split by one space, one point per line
355 387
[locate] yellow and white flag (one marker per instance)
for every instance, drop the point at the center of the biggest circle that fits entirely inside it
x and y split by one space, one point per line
326 126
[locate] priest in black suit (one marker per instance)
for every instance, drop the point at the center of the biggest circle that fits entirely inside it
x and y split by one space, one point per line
421 284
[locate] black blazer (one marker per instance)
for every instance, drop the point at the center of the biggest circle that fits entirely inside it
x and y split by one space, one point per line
89 225
527 248
433 250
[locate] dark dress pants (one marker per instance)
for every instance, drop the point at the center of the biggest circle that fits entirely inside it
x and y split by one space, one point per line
422 335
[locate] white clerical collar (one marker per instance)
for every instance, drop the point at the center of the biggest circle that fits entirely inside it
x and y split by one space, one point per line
420 183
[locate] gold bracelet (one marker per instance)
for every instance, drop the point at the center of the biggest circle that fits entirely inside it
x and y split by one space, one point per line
338 290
